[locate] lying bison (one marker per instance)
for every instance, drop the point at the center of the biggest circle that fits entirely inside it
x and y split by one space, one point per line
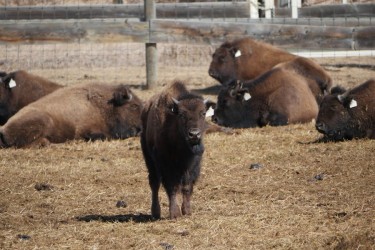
173 125
278 97
18 89
348 115
245 59
316 77
86 111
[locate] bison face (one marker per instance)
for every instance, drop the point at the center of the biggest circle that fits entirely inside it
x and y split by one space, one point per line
5 101
232 108
126 113
189 114
222 67
334 118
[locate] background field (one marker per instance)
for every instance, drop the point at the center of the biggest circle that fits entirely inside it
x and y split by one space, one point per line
305 195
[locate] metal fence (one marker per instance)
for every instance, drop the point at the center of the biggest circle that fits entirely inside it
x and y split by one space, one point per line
93 36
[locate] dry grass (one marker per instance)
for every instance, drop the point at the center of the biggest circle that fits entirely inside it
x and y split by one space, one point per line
284 204
305 195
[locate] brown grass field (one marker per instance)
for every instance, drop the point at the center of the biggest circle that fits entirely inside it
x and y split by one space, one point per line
96 195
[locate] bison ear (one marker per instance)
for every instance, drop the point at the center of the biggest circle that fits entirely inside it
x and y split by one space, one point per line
244 94
235 52
8 81
347 102
121 97
210 107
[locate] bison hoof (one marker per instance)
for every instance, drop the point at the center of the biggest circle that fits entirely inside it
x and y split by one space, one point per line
155 212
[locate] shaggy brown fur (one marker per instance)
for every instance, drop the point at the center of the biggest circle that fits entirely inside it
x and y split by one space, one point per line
86 111
316 77
253 59
278 97
173 125
245 59
348 115
29 88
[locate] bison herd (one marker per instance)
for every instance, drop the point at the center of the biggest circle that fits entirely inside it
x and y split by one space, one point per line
261 85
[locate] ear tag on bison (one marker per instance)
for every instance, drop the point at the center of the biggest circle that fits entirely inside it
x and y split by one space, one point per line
12 83
246 96
238 53
353 104
210 112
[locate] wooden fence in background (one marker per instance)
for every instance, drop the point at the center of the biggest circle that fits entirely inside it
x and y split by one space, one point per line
338 27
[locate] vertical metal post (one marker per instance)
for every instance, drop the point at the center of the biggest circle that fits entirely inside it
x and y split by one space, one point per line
254 12
269 6
151 49
294 5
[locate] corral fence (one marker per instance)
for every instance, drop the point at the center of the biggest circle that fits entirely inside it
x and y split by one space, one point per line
339 27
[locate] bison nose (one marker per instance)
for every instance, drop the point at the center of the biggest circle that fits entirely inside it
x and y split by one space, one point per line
195 133
214 119
321 127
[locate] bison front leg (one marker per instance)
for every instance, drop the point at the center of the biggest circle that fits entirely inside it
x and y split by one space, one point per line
187 190
154 181
174 209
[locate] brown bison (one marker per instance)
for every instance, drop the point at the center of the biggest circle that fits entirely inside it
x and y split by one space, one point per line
245 59
173 125
18 89
348 115
86 111
278 97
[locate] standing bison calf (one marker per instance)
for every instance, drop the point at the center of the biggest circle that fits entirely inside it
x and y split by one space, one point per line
87 111
18 89
278 97
348 115
173 124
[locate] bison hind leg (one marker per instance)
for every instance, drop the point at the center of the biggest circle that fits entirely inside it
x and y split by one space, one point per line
276 119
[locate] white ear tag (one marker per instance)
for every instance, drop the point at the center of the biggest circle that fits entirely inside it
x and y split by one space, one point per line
246 96
353 104
12 83
210 112
238 53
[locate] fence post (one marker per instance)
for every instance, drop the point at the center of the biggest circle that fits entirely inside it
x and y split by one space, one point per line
254 12
151 49
294 5
269 6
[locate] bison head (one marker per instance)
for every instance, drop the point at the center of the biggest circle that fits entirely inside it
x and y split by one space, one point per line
232 107
6 110
334 118
224 65
189 112
126 113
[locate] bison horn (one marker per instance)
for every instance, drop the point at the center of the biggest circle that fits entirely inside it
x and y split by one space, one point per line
175 101
341 98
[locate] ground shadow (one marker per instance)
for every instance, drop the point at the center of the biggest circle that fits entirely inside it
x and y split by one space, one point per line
137 218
